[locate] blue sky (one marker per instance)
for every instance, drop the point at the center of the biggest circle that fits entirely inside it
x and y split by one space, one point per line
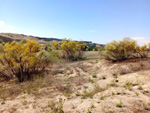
100 21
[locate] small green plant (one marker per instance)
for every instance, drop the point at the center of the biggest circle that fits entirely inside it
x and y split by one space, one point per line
119 105
92 106
77 94
128 85
85 87
89 111
137 94
91 93
115 75
68 87
102 97
46 111
56 107
113 93
96 61
113 84
3 102
146 107
94 75
90 80
103 77
123 92
118 93
83 97
28 91
140 87
24 102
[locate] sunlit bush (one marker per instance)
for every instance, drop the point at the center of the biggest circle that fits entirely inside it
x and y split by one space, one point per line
118 51
142 51
71 50
123 50
56 45
51 49
23 60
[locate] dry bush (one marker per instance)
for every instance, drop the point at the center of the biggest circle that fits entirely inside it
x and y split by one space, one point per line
23 60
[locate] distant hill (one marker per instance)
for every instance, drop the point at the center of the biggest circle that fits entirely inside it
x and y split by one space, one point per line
19 37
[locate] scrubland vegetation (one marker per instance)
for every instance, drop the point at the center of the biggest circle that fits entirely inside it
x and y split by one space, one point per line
63 77
124 50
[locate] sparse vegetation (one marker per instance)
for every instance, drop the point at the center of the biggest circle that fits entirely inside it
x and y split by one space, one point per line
113 84
90 80
103 77
56 107
89 111
77 84
91 93
94 75
115 75
119 105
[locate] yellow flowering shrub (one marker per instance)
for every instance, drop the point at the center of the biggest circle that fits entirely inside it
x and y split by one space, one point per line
123 50
142 51
50 48
149 45
70 49
56 45
118 51
23 60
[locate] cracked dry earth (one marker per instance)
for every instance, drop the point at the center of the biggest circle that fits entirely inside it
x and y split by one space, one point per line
90 86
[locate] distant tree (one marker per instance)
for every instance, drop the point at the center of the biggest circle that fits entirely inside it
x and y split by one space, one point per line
90 48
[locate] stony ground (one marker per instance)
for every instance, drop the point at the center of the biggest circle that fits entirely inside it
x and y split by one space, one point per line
89 86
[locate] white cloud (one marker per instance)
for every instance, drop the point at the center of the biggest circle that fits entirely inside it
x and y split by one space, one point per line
141 40
92 31
138 38
2 23
5 26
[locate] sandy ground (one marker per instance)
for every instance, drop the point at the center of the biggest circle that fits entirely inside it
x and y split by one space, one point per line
90 86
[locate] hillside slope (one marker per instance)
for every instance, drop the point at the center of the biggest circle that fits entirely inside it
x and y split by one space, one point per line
19 37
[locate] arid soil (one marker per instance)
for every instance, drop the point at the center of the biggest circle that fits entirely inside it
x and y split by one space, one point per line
89 86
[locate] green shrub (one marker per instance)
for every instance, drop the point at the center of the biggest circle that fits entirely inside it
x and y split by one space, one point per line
90 48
